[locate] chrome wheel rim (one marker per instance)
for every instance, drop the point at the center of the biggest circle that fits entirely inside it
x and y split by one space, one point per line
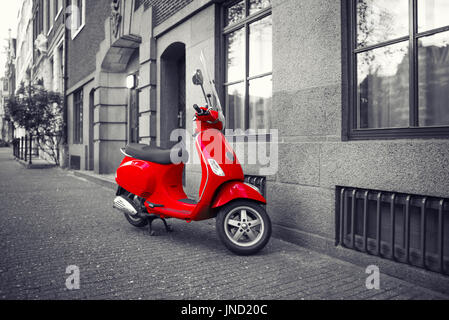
244 226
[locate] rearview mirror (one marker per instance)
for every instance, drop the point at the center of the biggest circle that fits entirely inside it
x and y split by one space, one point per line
198 78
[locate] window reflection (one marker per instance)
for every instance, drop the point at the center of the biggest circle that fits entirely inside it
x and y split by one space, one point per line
260 47
433 78
248 46
235 13
383 87
235 102
257 5
260 103
235 56
432 14
381 20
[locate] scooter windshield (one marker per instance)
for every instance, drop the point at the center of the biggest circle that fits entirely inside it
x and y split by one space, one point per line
210 84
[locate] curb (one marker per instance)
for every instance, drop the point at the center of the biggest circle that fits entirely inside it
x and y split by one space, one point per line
44 165
103 181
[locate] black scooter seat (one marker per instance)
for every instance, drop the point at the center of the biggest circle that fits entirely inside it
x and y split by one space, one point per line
153 154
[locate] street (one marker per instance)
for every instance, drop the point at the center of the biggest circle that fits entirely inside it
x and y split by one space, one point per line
50 219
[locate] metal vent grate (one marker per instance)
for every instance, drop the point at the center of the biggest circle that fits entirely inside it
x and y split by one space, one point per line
257 181
412 229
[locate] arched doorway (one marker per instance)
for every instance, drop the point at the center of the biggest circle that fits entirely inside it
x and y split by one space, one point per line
173 91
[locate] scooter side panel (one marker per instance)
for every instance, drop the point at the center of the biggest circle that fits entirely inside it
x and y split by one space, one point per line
169 188
136 176
212 144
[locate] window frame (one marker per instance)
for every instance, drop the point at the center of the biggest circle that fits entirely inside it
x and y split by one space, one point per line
50 16
226 30
350 115
59 6
74 31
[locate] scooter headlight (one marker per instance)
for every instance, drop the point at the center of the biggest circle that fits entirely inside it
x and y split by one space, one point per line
216 168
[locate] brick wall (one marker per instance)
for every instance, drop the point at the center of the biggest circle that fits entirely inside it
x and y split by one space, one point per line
83 49
164 9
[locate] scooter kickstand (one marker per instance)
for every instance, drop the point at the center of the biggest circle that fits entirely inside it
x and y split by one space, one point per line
168 228
150 229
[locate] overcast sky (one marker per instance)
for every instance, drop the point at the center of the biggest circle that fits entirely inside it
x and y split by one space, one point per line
8 20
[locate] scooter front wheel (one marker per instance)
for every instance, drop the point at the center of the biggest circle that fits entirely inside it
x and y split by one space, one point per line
244 227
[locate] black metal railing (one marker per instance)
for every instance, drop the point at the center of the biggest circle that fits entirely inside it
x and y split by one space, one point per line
137 4
23 148
257 181
412 229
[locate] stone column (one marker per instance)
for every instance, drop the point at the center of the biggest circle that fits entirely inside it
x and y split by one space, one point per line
110 115
147 81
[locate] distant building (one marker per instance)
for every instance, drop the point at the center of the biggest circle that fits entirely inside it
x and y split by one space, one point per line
4 126
7 90
48 40
25 47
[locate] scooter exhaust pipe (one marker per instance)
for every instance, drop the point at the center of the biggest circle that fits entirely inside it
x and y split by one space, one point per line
124 205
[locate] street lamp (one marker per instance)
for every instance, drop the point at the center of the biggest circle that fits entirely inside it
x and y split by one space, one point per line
131 81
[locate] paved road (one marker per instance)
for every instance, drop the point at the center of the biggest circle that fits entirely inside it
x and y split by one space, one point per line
49 219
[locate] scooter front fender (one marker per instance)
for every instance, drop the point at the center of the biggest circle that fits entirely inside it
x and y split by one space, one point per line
234 190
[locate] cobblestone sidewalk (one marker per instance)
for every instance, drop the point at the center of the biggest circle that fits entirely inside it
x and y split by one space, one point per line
50 219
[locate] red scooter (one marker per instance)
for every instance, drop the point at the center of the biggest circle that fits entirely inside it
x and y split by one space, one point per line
151 187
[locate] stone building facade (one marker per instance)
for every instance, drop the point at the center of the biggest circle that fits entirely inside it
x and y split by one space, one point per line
351 112
8 85
48 40
40 48
25 47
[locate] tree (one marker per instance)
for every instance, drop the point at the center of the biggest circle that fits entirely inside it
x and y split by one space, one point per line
39 112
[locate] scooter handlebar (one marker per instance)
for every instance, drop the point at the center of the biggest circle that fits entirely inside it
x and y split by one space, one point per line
199 111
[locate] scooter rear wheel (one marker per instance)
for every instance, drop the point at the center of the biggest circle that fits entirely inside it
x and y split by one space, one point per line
244 227
135 221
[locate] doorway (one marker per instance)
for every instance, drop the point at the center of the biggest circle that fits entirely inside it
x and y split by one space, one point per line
90 165
133 115
173 92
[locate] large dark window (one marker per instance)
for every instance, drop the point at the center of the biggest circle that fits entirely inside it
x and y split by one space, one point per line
78 117
399 68
248 64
